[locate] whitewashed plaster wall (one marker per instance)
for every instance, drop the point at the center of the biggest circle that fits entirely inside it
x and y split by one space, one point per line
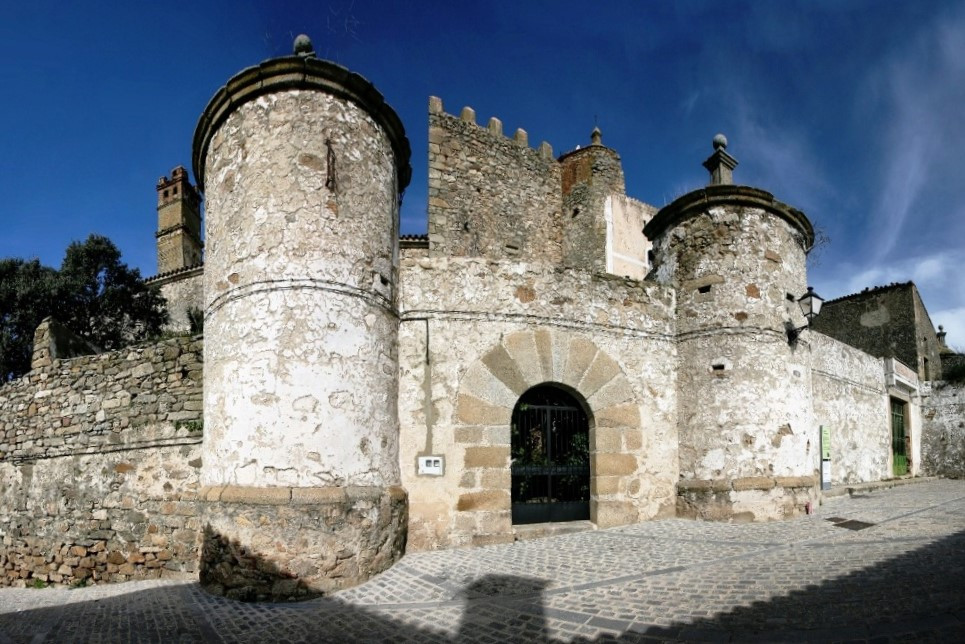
301 361
850 396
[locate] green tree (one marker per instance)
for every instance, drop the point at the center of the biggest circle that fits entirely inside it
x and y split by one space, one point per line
94 294
105 301
27 295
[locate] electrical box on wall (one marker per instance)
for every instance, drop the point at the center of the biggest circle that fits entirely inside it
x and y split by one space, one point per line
431 465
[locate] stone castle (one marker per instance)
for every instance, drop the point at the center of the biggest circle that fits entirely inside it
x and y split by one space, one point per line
553 350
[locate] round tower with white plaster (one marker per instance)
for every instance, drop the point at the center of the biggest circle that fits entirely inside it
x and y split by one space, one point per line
736 256
302 164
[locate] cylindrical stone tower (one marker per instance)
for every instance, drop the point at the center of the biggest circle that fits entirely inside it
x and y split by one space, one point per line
302 164
748 444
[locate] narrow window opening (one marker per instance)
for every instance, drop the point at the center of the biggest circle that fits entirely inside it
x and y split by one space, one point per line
331 175
717 367
703 289
789 297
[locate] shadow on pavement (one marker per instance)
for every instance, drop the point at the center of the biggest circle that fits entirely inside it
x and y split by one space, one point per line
919 595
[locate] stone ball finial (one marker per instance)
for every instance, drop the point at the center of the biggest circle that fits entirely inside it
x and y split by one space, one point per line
941 328
596 136
303 46
720 141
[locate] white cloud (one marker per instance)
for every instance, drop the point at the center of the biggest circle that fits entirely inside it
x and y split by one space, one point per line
938 277
690 102
954 322
782 157
921 136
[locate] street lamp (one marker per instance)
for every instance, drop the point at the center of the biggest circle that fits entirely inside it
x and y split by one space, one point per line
810 304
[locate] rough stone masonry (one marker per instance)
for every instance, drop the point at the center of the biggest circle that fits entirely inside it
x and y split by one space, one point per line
362 397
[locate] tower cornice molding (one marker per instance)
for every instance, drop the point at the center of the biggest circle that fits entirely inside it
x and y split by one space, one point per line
702 200
299 73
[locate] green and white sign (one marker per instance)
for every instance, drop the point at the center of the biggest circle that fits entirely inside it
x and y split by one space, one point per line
825 457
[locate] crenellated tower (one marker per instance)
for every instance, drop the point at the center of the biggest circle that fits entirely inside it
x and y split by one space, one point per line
736 256
178 223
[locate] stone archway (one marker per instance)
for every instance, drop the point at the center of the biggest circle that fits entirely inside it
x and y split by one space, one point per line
488 392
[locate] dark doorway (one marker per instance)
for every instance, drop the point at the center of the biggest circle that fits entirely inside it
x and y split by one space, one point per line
550 437
899 450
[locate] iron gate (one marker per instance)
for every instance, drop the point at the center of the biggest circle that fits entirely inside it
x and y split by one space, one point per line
551 458
899 454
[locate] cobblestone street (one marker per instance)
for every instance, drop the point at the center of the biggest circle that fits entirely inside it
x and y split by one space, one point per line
817 578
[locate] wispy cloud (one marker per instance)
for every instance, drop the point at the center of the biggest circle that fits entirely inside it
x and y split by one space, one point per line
924 80
912 106
937 276
690 102
782 156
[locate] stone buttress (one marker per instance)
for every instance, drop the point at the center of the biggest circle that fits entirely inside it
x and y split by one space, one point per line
302 164
748 443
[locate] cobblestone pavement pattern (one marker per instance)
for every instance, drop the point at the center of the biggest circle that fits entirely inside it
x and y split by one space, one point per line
806 579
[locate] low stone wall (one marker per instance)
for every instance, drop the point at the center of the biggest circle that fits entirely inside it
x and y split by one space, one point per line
751 498
284 544
99 461
850 397
943 430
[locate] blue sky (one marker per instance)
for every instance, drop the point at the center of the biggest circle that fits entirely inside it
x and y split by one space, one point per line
851 111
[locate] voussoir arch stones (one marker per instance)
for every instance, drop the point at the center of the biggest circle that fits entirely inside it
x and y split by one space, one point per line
492 385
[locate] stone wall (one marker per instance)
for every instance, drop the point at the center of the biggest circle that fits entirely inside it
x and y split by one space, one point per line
99 460
54 341
953 365
476 334
850 398
748 448
943 431
888 321
182 291
488 194
929 348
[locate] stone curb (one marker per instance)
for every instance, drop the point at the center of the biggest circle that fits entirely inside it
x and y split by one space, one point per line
858 488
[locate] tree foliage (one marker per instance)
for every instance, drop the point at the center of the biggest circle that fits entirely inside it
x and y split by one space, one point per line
94 294
27 295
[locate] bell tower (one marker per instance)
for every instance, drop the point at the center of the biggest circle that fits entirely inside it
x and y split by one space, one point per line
178 223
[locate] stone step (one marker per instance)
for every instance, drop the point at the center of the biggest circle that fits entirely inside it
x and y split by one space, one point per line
540 530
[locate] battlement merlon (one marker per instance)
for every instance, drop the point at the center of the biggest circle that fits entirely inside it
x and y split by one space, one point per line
494 196
490 195
495 126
